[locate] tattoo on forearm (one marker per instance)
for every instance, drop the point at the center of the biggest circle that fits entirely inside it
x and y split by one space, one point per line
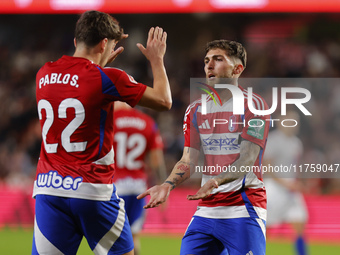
180 174
172 184
183 167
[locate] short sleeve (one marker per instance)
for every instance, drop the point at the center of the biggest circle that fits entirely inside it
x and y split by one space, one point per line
190 129
122 86
256 127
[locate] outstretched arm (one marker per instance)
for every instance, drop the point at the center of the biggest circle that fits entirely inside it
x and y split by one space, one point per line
248 154
158 97
180 173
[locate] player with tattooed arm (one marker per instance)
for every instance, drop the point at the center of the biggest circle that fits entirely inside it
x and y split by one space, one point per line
231 214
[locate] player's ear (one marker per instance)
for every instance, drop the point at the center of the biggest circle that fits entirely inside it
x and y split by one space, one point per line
238 69
75 42
103 44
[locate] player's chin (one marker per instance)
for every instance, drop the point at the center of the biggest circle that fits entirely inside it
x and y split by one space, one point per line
212 81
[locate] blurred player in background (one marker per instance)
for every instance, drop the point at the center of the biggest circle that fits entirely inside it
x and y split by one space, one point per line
74 191
285 200
230 218
136 141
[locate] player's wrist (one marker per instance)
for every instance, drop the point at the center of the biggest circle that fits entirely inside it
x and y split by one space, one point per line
214 183
157 61
169 184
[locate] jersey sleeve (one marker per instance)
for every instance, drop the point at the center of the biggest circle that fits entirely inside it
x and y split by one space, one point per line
124 87
256 126
190 128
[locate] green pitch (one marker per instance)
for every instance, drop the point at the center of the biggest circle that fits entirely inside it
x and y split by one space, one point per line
18 242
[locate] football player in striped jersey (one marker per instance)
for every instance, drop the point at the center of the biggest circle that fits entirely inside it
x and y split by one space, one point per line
231 213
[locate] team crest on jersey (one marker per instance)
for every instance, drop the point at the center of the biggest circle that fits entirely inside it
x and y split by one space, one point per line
256 128
232 123
132 79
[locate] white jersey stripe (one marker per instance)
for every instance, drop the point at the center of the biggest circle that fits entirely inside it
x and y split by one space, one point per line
108 240
251 180
262 226
228 212
86 190
229 187
261 212
108 159
258 99
261 100
256 102
222 212
43 245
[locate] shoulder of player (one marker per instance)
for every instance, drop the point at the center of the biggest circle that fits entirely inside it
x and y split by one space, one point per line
195 104
44 69
112 70
118 74
47 65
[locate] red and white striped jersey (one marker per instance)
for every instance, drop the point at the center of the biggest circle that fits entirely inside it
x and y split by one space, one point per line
136 134
75 100
219 133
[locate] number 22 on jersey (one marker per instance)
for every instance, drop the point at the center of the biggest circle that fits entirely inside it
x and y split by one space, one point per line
69 129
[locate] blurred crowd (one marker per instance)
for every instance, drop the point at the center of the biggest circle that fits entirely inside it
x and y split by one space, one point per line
278 45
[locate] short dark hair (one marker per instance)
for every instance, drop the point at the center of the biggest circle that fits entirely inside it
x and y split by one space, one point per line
232 48
94 26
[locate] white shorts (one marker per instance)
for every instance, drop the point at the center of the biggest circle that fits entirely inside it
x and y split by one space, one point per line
284 206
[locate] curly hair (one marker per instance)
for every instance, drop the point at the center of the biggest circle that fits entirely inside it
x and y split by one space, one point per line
94 26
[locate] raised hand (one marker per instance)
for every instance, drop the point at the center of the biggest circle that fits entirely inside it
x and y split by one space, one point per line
115 53
155 45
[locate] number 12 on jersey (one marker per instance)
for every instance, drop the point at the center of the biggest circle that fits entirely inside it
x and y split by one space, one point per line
128 149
